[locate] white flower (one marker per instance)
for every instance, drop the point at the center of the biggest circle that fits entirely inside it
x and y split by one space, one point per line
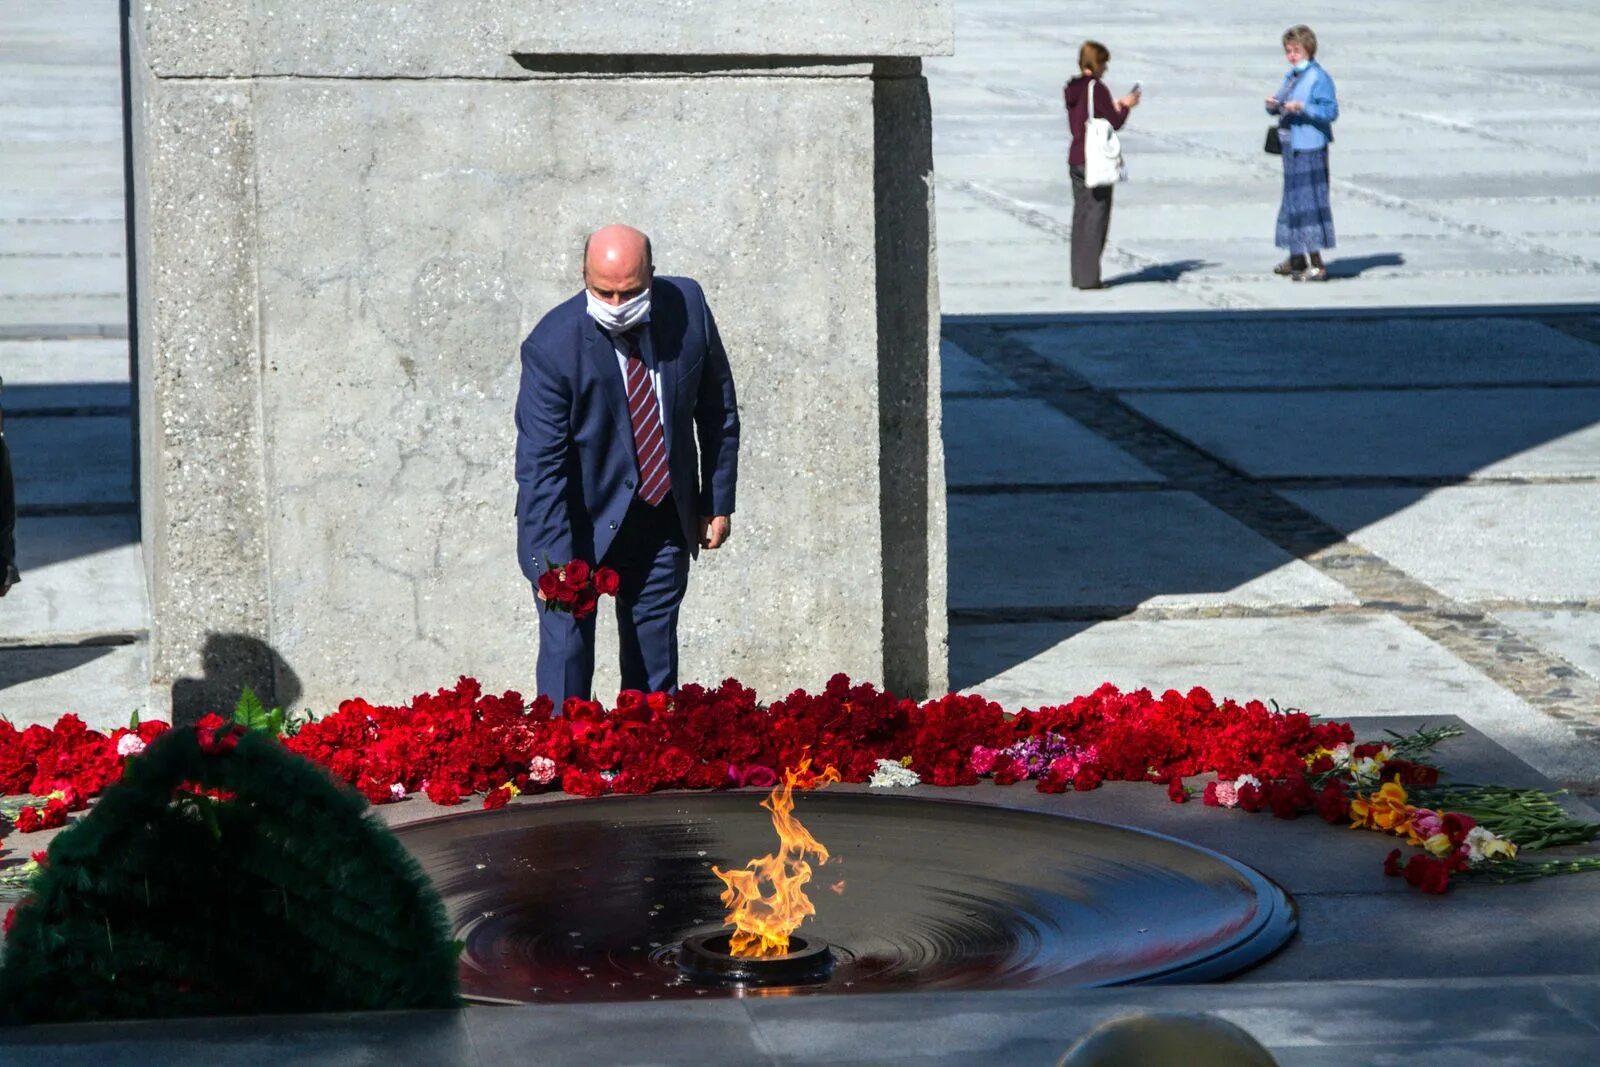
542 769
398 790
890 774
129 745
1340 754
1482 845
1246 779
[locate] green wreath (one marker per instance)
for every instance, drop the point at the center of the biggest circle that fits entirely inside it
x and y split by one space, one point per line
286 897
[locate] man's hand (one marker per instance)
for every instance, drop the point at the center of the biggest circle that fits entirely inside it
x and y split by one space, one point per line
714 530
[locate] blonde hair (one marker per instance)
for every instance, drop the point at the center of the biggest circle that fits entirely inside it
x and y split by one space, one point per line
1302 36
1094 56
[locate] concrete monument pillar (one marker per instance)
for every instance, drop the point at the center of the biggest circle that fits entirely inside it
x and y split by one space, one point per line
349 214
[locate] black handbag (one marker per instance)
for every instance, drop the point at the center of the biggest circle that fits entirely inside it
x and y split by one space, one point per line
1274 145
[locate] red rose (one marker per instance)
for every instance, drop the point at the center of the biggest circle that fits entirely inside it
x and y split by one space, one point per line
607 581
549 584
576 573
1176 792
1391 863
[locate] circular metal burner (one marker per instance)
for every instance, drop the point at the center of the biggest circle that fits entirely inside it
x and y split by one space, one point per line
708 958
583 900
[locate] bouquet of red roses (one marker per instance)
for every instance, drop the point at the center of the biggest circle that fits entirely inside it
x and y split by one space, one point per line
576 588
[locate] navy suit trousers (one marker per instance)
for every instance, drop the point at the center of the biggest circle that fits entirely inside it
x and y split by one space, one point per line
650 556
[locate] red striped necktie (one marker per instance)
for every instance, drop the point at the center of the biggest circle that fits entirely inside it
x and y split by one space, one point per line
649 440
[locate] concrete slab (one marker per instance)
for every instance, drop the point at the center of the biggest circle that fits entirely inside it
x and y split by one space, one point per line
1526 543
1019 441
960 373
1489 432
61 362
53 275
1339 666
81 576
98 238
1114 551
101 684
71 460
1273 353
1572 635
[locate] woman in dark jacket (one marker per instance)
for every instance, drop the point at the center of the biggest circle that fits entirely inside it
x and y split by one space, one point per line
1091 208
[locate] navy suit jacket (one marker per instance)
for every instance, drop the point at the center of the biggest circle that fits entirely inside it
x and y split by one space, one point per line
576 469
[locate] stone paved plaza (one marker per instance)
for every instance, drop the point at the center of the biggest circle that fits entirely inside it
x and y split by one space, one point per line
1373 497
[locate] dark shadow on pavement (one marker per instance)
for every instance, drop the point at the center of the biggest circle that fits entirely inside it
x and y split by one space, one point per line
1159 272
1353 266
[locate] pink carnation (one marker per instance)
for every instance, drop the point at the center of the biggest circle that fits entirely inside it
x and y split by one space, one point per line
130 745
1227 794
983 759
542 769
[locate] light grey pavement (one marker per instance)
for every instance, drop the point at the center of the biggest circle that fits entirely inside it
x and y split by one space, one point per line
73 633
1464 162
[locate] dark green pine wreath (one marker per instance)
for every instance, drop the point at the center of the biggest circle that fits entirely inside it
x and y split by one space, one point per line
289 898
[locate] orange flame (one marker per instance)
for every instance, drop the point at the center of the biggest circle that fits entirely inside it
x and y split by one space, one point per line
763 922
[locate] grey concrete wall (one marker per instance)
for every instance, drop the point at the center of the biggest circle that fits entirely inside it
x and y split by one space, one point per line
338 270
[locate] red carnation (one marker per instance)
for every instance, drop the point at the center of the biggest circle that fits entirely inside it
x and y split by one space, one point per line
1087 778
444 792
11 917
1332 804
28 820
1008 770
1209 797
582 783
1428 874
1391 863
1250 797
1175 790
1456 826
497 798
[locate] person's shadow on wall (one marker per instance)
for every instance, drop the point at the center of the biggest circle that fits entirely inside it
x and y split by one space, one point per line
229 663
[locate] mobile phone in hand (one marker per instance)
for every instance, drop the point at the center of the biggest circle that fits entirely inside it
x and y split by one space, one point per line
1136 87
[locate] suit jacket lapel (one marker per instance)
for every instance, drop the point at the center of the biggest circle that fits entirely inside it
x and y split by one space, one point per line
603 356
668 367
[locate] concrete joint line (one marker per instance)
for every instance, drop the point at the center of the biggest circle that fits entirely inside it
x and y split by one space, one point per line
1540 678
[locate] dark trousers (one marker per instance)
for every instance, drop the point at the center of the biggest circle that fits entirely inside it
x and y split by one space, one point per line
1091 219
8 511
650 556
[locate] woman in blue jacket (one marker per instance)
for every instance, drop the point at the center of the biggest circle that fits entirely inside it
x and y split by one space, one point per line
1306 107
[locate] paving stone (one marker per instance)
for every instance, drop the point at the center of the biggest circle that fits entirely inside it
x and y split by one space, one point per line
71 460
1572 635
1400 432
1338 666
81 576
1022 441
101 684
1242 352
1117 550
1494 542
53 363
960 373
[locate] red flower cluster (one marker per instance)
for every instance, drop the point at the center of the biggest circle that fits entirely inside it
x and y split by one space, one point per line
68 759
1427 873
576 588
458 741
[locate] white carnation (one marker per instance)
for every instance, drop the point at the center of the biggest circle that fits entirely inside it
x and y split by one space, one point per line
890 774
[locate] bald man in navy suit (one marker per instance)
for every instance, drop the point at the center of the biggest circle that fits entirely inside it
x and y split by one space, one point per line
627 455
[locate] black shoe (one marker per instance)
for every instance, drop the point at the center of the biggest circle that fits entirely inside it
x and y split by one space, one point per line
8 578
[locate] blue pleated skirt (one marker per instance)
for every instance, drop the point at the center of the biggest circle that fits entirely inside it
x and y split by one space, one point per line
1305 219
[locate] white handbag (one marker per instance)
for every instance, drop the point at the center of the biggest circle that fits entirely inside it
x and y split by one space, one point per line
1102 149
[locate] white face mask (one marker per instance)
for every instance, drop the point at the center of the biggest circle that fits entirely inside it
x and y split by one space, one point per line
621 318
